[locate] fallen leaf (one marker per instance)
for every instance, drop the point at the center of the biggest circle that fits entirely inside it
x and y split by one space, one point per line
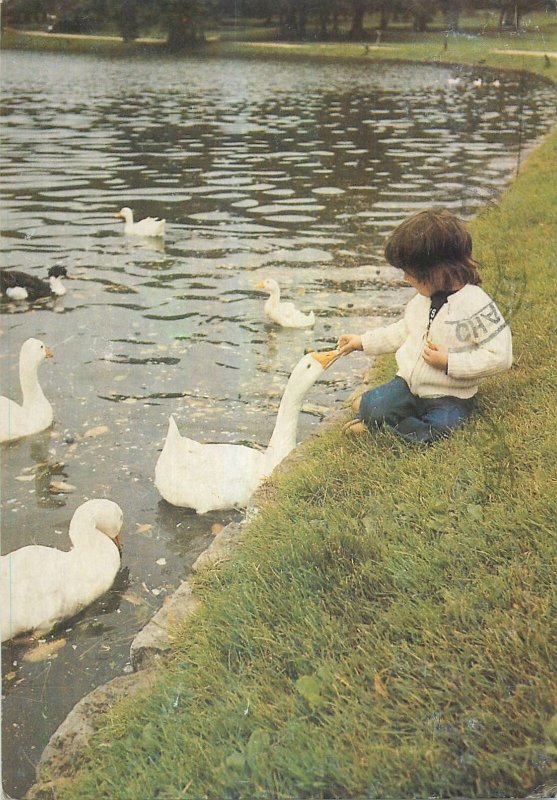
133 599
60 486
43 651
25 477
161 562
10 676
143 528
130 401
98 431
216 528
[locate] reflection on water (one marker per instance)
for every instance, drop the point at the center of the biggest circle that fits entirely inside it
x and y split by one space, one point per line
292 171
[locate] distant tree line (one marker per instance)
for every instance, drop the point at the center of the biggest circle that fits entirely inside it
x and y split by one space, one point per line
185 21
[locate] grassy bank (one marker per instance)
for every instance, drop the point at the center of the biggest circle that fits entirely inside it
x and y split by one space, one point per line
389 627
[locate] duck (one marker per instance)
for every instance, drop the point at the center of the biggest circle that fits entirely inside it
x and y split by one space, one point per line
20 286
35 414
453 81
477 82
285 314
43 586
496 83
150 226
210 477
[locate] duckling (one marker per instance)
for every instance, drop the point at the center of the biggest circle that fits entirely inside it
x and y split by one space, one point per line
20 286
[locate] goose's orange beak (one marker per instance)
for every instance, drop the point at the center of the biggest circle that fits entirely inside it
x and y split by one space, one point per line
118 215
48 353
326 358
259 285
118 542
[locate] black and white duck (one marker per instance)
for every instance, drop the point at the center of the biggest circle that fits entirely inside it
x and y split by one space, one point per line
21 286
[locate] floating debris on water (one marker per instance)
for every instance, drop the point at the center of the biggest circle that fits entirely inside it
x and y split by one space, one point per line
44 651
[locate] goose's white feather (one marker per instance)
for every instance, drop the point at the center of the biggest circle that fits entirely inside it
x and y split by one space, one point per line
207 477
285 314
150 226
43 586
35 413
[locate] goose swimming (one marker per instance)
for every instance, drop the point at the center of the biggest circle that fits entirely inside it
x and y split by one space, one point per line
35 413
207 477
21 286
150 226
285 314
43 586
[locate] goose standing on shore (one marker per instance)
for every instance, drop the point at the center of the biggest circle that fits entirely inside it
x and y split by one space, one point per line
43 586
150 226
285 314
20 286
35 414
207 477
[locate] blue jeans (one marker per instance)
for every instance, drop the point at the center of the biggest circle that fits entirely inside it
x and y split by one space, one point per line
416 419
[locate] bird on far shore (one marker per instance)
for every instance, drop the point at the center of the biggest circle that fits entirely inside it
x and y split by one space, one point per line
21 286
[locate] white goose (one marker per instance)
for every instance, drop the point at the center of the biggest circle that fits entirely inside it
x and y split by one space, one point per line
150 226
285 314
35 414
42 586
207 477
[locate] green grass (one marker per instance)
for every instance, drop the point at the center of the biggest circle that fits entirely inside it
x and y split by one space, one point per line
388 628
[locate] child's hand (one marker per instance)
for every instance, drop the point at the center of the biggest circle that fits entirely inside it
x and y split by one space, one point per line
348 342
435 355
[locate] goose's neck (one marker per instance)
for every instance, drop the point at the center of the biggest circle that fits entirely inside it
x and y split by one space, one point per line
86 537
283 438
274 296
30 386
56 286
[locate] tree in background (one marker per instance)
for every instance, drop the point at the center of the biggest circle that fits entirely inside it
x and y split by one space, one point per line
511 12
359 8
128 20
421 12
451 13
185 21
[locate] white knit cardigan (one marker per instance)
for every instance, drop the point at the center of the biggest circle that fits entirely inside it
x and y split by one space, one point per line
469 325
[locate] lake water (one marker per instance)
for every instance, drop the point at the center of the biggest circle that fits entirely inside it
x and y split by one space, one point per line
295 171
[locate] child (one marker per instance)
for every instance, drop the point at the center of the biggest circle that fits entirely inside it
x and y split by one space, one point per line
452 334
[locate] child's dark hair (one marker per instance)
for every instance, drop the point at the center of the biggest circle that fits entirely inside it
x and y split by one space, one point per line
435 247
